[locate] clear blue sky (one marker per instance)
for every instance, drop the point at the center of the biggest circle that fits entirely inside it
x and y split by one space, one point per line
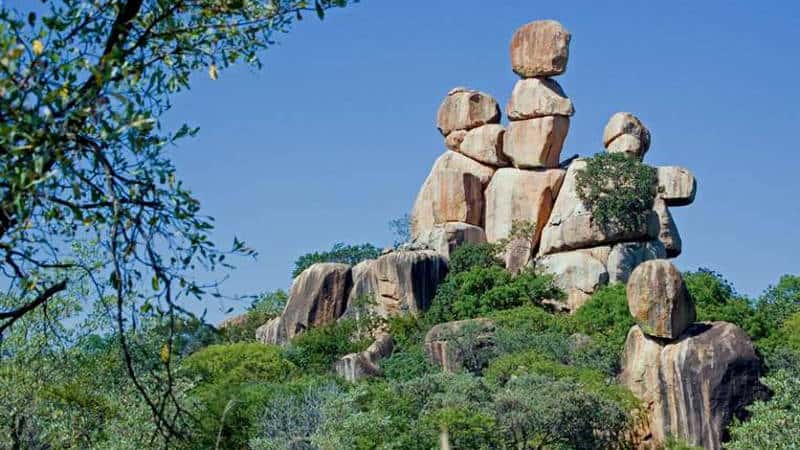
335 135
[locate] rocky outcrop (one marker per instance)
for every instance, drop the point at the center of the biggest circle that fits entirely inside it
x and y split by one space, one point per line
676 185
572 226
453 192
464 109
538 97
668 231
445 238
540 49
358 366
536 143
626 134
658 299
626 256
318 297
454 346
516 195
695 385
407 281
485 145
577 273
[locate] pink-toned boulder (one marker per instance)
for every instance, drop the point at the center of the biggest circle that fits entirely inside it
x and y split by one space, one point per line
453 192
658 299
485 145
453 140
464 109
538 97
536 143
676 185
540 49
625 133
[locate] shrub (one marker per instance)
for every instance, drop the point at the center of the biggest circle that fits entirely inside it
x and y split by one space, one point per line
774 423
775 305
470 256
619 190
543 412
483 290
317 348
234 382
339 253
781 350
715 299
406 364
263 309
514 365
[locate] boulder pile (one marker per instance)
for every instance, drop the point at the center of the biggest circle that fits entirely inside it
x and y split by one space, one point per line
491 177
693 378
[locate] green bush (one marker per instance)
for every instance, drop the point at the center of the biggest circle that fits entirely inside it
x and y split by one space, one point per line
263 309
317 348
607 320
775 305
781 350
483 290
234 383
506 367
715 299
619 190
543 412
339 253
774 423
470 256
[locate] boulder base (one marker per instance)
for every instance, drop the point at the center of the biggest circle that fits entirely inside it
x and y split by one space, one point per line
407 281
693 387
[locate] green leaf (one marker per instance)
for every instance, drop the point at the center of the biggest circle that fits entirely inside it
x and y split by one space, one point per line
155 282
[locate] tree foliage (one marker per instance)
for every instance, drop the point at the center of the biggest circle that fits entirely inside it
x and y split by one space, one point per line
619 190
339 253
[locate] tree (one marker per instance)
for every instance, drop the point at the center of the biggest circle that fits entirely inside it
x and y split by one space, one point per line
774 423
83 154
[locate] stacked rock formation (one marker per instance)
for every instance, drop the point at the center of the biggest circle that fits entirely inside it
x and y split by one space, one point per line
491 177
692 377
396 283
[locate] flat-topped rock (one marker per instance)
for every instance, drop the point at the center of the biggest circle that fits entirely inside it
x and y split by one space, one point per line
540 49
538 97
626 134
464 109
536 143
445 238
452 192
658 299
676 185
485 145
407 281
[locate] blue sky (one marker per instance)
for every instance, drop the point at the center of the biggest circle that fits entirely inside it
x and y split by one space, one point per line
334 137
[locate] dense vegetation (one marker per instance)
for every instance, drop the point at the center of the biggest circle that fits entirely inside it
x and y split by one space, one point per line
546 383
619 190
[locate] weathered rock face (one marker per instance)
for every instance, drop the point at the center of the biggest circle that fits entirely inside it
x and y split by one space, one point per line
407 281
676 185
625 133
626 256
658 299
459 177
577 273
445 238
668 232
357 366
571 225
540 49
453 140
464 109
454 346
538 97
318 297
695 386
520 195
272 332
485 145
536 143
